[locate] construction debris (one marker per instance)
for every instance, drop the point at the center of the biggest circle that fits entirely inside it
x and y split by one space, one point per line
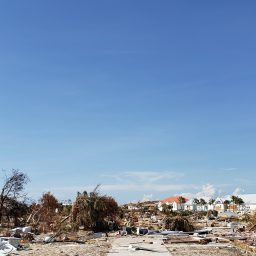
142 230
6 248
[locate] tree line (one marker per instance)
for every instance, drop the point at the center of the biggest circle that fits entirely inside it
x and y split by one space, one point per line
92 211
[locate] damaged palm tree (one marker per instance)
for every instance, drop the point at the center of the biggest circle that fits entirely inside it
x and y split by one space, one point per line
178 223
93 211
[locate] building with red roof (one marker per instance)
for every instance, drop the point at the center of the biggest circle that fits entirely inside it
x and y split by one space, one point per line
175 202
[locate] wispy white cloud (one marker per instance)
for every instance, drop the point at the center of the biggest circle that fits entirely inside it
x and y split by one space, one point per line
70 189
238 191
229 169
142 181
147 197
154 181
207 191
168 187
147 183
145 176
124 187
151 177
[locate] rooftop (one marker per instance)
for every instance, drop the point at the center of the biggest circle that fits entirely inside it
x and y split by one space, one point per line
172 199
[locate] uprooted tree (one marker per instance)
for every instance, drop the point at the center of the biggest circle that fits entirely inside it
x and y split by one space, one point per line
94 211
12 194
45 213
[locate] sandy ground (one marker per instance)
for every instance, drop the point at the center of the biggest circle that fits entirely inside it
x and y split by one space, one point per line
119 246
146 246
97 247
203 250
108 246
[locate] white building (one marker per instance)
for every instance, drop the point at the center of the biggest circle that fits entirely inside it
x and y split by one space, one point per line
250 201
173 202
190 205
202 208
218 205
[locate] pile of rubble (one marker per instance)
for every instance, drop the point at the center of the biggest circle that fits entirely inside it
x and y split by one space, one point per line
180 236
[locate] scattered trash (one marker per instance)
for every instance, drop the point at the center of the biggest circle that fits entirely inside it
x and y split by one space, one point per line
98 235
6 248
15 242
49 239
26 230
122 232
137 248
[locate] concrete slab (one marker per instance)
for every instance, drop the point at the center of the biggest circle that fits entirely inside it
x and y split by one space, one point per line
133 245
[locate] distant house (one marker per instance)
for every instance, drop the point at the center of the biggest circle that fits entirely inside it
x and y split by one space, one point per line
251 206
218 205
67 202
232 207
190 205
149 205
202 208
132 206
249 201
173 202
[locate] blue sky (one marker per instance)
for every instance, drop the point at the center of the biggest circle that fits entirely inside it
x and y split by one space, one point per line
147 98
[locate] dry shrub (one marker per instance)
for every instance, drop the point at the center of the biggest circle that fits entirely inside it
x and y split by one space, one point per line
94 212
253 219
252 222
45 215
178 223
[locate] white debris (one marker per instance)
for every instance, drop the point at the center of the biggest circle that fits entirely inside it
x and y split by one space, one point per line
6 248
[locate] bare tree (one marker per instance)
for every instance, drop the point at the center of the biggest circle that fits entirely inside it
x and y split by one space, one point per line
12 189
